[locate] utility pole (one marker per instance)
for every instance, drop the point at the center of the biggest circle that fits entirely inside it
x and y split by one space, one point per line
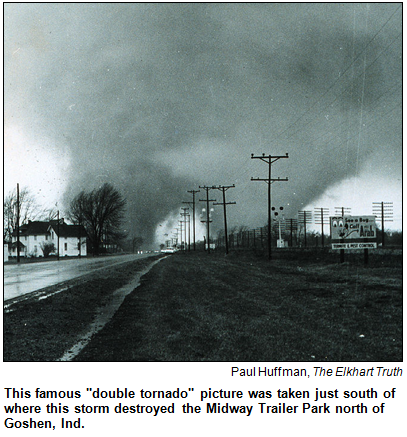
18 223
383 211
180 233
175 237
293 227
305 217
342 210
189 232
268 159
189 224
321 220
207 200
224 188
184 214
193 212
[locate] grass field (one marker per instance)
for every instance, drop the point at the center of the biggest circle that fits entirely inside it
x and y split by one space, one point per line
300 306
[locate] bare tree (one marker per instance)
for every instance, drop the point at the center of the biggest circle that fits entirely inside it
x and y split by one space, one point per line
28 210
49 214
101 212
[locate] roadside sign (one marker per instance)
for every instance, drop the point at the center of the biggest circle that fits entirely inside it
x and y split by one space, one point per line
353 227
353 232
354 245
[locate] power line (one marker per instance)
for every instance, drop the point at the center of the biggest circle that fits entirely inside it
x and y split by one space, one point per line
207 200
269 159
193 192
383 211
224 188
321 216
185 214
306 217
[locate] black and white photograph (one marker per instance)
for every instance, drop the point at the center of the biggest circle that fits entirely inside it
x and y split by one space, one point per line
203 182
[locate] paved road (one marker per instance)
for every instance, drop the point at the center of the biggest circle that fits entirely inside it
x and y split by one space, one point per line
26 278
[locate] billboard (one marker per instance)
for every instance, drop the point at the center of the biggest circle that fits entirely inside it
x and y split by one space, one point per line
353 232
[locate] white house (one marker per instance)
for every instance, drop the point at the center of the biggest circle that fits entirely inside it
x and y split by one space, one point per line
72 238
34 235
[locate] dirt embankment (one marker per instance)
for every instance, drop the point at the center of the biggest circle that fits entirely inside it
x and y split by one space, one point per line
195 307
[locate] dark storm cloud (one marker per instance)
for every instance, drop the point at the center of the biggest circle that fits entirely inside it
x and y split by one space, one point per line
134 90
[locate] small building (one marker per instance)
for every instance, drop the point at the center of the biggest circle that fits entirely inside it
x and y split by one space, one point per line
35 235
13 249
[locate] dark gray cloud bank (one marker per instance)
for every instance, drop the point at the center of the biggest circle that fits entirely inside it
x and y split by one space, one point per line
161 98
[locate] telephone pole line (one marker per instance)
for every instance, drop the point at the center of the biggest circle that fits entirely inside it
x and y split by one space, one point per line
180 233
383 211
269 159
207 200
189 224
224 188
185 214
305 217
189 232
321 218
193 212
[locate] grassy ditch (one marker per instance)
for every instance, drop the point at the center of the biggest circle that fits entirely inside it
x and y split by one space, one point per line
297 307
40 329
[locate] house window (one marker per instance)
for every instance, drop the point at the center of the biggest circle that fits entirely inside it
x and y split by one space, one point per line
46 237
25 238
52 234
35 237
66 246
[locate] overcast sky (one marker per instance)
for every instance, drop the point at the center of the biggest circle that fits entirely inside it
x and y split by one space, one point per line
159 99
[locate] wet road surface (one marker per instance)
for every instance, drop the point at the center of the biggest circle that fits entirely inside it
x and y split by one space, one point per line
26 278
105 313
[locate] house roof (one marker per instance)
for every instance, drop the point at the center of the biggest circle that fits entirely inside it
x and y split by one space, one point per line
33 228
43 228
67 231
